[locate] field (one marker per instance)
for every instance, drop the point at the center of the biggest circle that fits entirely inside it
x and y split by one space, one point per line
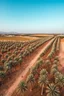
16 38
32 65
40 35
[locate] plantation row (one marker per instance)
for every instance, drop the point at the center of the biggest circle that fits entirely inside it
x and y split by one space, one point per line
44 78
53 50
55 47
47 48
58 45
11 61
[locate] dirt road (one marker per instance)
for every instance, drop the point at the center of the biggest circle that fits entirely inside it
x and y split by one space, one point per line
20 78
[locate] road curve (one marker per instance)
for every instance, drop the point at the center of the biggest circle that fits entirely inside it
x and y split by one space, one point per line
20 78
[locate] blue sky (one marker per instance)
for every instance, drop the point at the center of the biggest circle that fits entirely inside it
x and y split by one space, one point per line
26 15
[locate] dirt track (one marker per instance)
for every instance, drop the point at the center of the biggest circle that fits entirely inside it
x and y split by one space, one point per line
20 78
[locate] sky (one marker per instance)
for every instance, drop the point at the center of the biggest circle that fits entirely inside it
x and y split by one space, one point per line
31 15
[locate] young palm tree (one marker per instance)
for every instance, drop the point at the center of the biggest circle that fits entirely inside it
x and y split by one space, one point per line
22 87
52 74
8 66
43 72
56 58
34 70
15 62
53 71
54 66
59 79
52 90
47 62
20 61
48 65
43 80
30 79
2 76
56 62
39 63
57 74
50 56
16 58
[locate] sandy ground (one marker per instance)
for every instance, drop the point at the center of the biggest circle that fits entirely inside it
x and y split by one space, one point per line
17 38
23 74
41 35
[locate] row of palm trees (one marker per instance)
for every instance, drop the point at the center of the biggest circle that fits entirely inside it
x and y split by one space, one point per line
51 83
7 46
58 45
47 48
53 50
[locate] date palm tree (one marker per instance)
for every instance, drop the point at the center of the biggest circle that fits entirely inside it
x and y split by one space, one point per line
59 79
22 87
47 62
52 90
20 61
8 67
48 65
56 62
55 66
2 76
56 58
15 62
54 69
43 81
39 63
33 70
43 72
30 79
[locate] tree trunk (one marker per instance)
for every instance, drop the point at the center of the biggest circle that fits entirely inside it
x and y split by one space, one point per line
23 94
42 90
